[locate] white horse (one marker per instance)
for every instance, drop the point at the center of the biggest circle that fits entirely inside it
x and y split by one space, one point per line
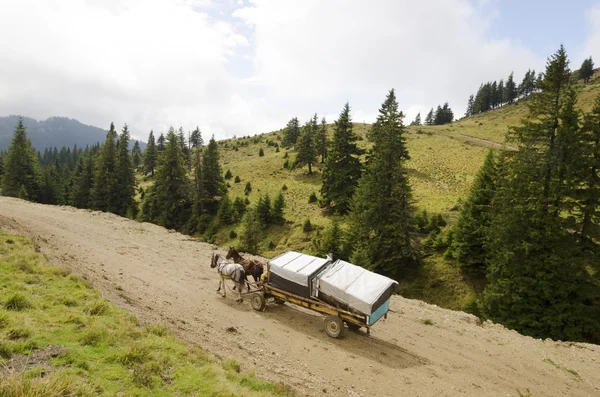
228 270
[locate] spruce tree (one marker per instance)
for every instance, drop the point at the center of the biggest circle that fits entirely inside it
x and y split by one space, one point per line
22 174
429 118
264 210
321 140
342 167
83 180
212 176
538 278
500 93
239 209
160 143
305 146
417 121
251 231
225 213
125 189
291 132
587 70
136 155
196 138
588 177
168 201
331 241
382 218
278 210
510 90
471 230
105 196
198 195
53 191
470 102
185 149
150 155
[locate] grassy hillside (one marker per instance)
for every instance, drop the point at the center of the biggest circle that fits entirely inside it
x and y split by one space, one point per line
444 161
60 337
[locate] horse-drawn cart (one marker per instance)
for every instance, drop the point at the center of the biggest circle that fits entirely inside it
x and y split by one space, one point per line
340 290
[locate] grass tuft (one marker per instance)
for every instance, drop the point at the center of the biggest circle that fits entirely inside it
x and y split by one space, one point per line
427 321
97 308
17 302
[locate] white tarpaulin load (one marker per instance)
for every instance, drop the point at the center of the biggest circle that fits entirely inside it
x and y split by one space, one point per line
293 272
354 286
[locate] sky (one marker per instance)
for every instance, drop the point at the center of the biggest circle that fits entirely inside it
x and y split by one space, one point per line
243 67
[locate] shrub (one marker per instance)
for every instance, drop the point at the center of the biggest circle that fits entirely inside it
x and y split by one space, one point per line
261 152
277 149
248 188
271 245
237 179
307 226
284 187
286 164
232 234
312 198
228 174
285 156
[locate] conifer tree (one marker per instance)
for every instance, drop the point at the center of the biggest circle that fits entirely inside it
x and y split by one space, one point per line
198 195
588 176
587 70
105 196
510 90
136 155
471 230
239 209
168 201
342 167
225 213
83 179
125 189
212 177
196 138
251 231
493 95
22 174
417 121
185 149
264 210
305 146
538 278
278 209
160 143
470 102
291 132
321 140
382 217
150 155
429 118
53 189
331 241
500 93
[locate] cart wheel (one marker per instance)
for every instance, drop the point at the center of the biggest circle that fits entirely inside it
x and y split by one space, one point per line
257 300
334 326
353 327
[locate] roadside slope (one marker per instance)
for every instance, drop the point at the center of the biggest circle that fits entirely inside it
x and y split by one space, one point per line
165 276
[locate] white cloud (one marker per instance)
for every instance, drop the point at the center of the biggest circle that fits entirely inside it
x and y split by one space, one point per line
324 52
156 63
592 44
148 63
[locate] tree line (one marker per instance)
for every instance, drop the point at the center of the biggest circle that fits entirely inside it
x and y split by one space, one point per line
531 224
441 115
492 95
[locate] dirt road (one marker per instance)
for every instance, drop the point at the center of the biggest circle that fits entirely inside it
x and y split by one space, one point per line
165 277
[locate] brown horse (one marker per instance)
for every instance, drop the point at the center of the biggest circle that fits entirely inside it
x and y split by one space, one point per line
251 266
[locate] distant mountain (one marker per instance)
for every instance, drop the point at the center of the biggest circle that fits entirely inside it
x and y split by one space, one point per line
55 131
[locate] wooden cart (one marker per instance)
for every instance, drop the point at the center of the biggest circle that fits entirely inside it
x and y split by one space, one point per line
335 317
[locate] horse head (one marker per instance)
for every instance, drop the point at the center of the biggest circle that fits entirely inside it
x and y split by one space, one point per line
214 260
231 253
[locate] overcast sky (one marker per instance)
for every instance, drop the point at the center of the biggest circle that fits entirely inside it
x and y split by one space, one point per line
239 67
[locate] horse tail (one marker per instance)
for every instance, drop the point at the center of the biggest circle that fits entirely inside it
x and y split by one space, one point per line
239 276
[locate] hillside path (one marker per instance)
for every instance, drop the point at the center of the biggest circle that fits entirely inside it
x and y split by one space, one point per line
163 276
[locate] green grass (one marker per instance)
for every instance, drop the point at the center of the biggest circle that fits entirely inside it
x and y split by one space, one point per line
103 351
